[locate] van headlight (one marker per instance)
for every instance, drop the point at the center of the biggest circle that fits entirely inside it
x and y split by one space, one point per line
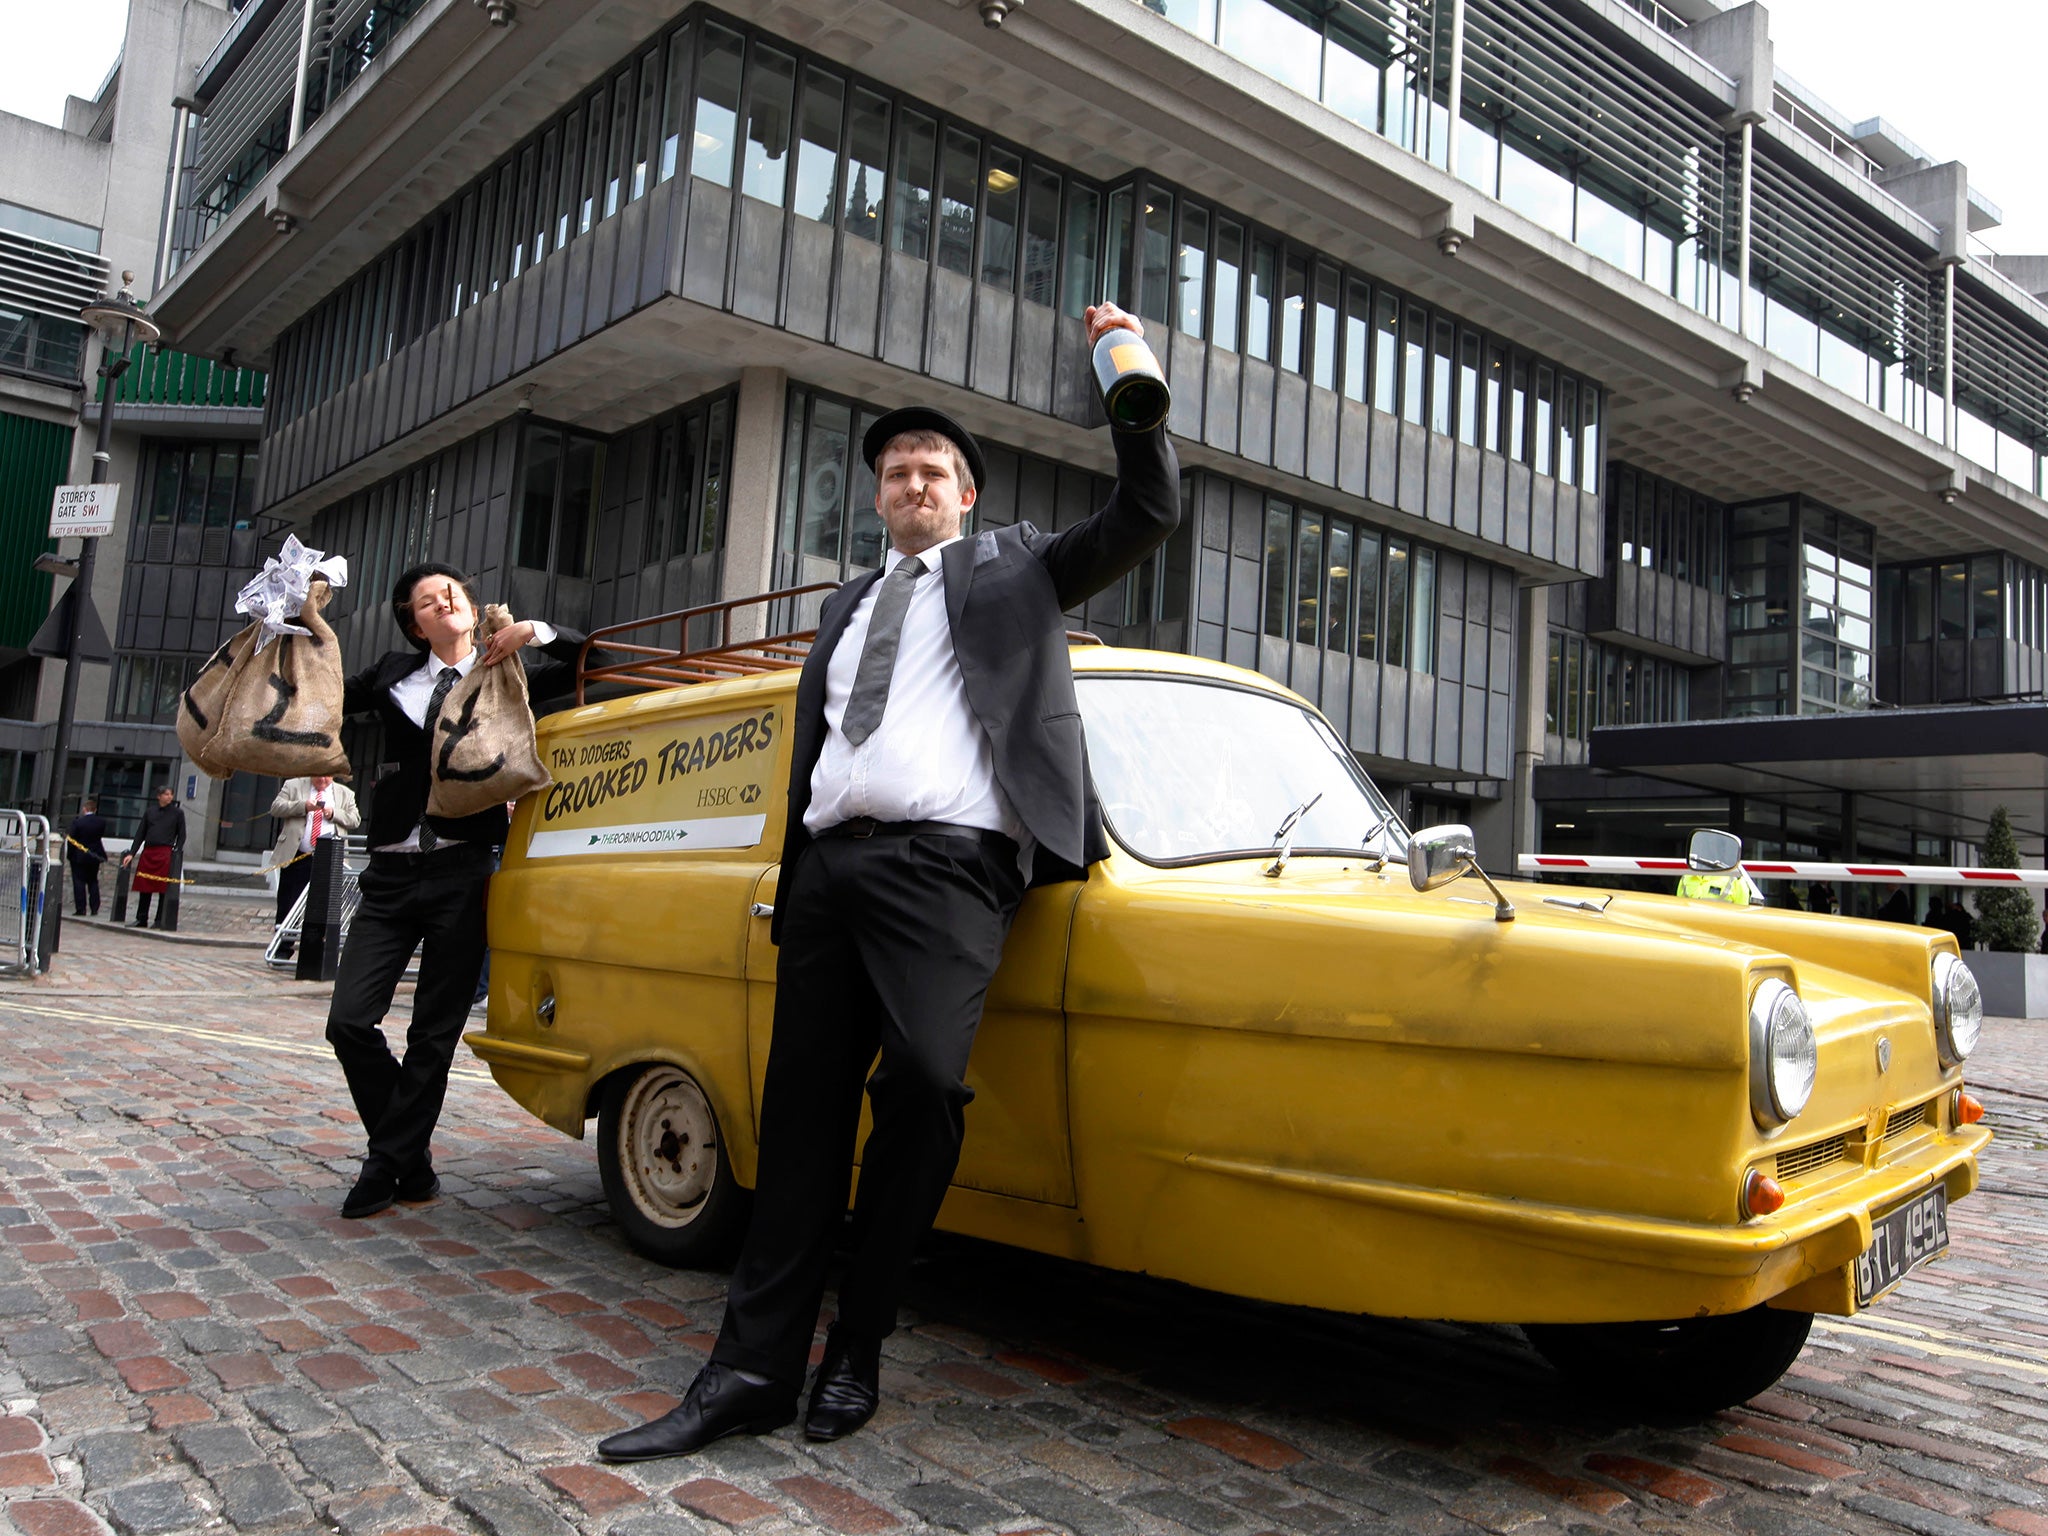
1958 1009
1783 1058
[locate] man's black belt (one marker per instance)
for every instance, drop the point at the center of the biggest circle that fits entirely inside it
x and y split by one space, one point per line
867 826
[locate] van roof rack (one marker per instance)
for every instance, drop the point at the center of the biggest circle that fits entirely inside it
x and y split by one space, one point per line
645 663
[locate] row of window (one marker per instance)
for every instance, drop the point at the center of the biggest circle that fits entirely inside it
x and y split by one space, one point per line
1659 525
1593 684
736 111
243 175
201 485
1799 575
1960 600
145 687
1345 586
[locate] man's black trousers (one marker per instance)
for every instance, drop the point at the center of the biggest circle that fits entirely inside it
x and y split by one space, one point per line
291 879
85 889
433 902
888 943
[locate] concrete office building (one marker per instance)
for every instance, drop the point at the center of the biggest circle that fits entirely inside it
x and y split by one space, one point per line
80 203
1605 434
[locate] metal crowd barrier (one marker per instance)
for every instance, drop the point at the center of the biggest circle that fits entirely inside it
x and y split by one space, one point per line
28 853
292 928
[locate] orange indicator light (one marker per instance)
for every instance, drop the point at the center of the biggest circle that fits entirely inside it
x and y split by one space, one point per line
1968 1111
1761 1194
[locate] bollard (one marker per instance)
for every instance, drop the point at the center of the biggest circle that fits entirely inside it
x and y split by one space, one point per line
53 911
165 919
123 873
320 930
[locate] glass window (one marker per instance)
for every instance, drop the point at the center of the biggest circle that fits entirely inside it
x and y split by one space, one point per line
771 93
817 154
593 150
1414 362
1357 323
1397 603
1422 650
522 223
1122 275
1155 257
867 184
1273 42
220 497
537 496
711 500
959 184
1441 372
824 499
917 141
1589 436
1919 605
1323 345
713 140
1337 595
1293 312
1955 601
1386 355
1366 570
675 101
1568 429
1042 237
646 123
1000 204
566 199
1258 320
1229 283
620 167
1986 598
1351 71
198 476
1553 696
1279 542
1468 387
542 224
1308 618
1543 429
1194 267
578 524
1084 226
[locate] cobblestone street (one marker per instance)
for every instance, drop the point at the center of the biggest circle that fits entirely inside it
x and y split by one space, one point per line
191 1339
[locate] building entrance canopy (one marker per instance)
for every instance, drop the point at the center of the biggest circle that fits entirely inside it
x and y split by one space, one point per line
1939 771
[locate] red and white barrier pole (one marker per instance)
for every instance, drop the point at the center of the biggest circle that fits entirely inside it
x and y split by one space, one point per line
1777 869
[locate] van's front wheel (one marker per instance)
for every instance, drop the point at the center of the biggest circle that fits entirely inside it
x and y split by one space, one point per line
1689 1368
666 1175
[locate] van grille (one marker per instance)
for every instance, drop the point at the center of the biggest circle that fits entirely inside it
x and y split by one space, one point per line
1804 1160
1903 1122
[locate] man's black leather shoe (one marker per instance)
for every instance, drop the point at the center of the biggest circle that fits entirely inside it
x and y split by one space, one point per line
848 1386
720 1402
374 1192
419 1187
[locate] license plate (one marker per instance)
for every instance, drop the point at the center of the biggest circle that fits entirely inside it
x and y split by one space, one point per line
1900 1242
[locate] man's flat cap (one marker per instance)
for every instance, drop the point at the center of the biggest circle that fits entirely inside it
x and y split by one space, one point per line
923 418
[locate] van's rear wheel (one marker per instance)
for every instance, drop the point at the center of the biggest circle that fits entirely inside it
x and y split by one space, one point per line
661 1155
1696 1366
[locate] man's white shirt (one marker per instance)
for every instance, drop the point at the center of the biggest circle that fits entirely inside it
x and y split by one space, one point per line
929 759
413 692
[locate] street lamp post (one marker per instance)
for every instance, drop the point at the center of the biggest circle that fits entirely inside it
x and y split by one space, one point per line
119 322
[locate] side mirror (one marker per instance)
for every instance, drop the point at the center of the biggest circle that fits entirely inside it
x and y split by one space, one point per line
1439 855
1712 852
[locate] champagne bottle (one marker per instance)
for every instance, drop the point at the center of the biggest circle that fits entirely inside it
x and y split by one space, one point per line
1134 389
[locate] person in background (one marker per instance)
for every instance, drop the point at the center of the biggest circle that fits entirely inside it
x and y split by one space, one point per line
1898 907
162 832
86 850
307 809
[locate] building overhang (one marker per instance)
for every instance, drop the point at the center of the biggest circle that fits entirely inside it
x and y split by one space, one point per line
1940 770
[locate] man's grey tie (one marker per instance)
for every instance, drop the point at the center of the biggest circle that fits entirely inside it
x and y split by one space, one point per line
870 694
444 680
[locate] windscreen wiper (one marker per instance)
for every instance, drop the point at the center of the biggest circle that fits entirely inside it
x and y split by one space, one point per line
1284 834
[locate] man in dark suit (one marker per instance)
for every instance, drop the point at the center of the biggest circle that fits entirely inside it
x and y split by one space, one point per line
424 887
936 762
86 849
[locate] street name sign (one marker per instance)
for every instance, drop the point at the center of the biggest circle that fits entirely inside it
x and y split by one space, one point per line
83 511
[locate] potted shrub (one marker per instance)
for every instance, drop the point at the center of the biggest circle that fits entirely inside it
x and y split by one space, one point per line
2009 968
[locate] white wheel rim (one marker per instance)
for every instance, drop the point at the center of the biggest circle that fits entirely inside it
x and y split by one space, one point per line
668 1146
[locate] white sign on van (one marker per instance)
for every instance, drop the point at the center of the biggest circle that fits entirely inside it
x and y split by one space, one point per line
83 511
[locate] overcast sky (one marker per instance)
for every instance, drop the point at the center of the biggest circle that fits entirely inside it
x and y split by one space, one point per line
1962 80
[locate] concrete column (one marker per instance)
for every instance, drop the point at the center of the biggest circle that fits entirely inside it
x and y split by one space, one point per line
753 494
1532 677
